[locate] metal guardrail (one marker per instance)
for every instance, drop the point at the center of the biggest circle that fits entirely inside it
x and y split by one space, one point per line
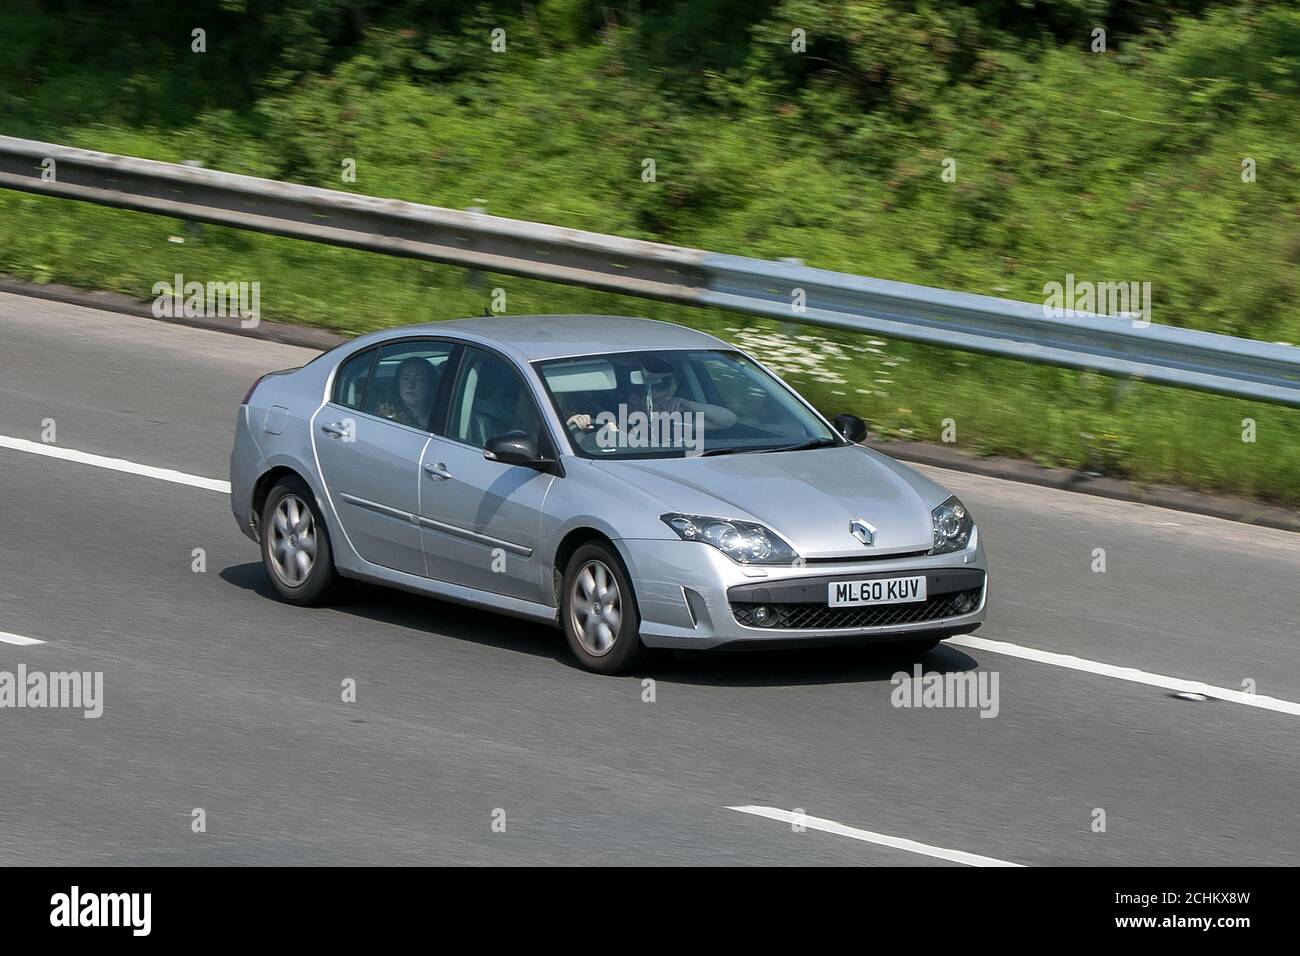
957 320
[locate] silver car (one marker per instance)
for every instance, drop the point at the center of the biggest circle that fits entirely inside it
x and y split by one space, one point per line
636 483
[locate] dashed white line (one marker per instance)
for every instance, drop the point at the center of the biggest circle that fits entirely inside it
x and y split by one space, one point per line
114 464
880 839
1127 673
7 638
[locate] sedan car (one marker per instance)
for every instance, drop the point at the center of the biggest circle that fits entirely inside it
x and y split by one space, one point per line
636 483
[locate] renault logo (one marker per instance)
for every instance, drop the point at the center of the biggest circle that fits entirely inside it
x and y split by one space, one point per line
864 532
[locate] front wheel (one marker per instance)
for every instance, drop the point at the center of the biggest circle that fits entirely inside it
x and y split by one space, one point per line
296 545
599 611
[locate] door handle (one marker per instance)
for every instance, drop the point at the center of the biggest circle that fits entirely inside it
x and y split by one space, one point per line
437 471
336 429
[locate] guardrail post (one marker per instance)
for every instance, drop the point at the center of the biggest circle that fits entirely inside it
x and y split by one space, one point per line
193 228
473 277
790 329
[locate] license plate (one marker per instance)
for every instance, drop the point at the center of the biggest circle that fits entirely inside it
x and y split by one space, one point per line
876 591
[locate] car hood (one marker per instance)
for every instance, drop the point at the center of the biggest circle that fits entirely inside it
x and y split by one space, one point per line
807 497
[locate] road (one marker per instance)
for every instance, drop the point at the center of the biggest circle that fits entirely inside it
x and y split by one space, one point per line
218 697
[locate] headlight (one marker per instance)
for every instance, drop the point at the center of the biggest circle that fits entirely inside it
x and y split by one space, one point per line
743 541
952 525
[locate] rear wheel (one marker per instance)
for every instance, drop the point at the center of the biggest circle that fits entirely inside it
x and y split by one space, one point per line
599 611
295 544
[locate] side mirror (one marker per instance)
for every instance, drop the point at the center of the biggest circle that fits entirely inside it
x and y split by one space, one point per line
850 426
514 448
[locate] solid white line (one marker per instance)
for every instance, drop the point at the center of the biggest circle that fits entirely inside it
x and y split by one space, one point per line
1127 673
7 638
866 836
115 464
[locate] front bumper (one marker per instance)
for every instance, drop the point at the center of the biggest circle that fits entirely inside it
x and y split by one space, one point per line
691 596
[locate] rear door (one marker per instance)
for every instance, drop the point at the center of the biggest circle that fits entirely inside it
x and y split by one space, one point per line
369 440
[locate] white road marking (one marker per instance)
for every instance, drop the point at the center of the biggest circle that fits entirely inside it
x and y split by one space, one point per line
975 643
880 839
7 638
1127 673
115 464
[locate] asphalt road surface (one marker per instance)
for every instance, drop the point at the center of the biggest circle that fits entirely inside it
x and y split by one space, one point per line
216 696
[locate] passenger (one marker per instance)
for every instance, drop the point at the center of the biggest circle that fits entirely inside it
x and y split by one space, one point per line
413 386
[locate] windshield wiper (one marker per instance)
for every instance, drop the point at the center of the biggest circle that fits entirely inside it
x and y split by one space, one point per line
798 446
805 445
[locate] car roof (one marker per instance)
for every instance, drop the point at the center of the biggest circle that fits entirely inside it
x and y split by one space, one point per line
534 337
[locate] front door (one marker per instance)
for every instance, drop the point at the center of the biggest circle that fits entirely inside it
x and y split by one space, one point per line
482 518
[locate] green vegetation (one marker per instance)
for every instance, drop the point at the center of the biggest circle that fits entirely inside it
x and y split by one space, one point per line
1116 166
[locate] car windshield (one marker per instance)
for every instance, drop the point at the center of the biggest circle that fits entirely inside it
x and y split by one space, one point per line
673 404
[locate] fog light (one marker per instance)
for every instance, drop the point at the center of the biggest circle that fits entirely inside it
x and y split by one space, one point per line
763 616
964 602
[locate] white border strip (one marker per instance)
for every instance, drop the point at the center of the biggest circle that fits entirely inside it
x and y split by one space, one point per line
880 839
114 464
7 638
1127 673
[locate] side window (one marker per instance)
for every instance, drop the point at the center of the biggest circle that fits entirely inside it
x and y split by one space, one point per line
405 382
350 382
490 399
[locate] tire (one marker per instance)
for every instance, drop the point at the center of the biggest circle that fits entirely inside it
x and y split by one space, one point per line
602 633
298 558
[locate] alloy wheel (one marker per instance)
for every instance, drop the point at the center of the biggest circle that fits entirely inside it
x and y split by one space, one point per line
293 541
595 608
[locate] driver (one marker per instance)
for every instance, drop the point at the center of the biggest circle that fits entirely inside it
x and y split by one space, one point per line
660 395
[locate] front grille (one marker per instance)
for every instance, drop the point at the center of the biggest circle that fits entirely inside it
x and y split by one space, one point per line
859 558
820 617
